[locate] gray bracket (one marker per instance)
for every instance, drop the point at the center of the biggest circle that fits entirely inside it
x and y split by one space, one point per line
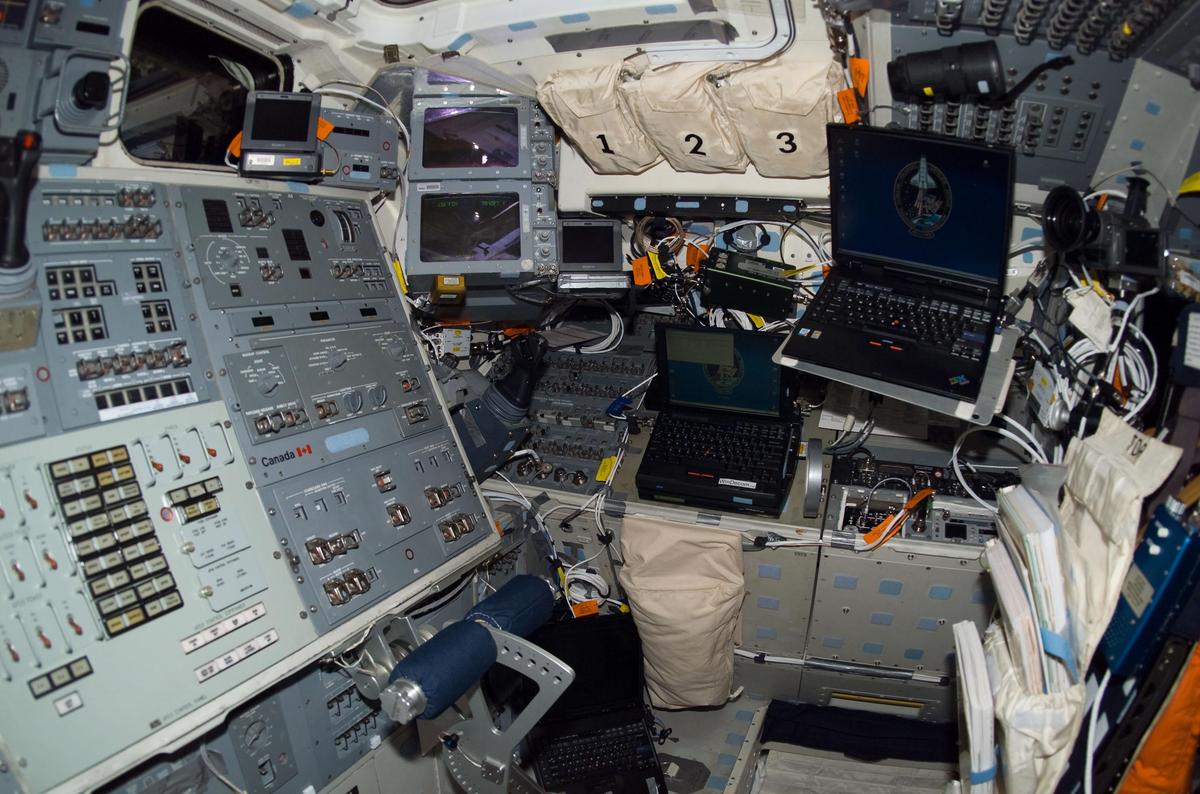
482 758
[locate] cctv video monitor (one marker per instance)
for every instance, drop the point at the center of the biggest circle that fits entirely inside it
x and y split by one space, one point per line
278 121
471 138
481 229
588 245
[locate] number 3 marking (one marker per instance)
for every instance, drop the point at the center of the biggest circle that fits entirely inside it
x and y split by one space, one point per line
789 144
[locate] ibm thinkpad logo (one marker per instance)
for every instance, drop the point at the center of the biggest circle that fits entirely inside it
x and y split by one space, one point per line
299 452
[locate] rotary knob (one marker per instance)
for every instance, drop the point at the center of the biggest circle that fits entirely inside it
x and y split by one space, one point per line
353 401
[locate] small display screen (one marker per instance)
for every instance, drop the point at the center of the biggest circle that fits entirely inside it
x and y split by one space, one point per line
471 138
590 244
606 656
475 227
723 370
281 120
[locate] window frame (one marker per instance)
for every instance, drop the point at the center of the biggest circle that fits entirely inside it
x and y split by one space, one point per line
283 64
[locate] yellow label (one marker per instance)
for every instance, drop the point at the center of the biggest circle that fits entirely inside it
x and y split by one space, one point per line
758 321
291 161
1191 184
656 265
927 91
400 276
606 467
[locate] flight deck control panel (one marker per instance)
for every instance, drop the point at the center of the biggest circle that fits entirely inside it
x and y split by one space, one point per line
220 442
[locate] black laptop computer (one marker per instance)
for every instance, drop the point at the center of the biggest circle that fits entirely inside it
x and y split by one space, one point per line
921 228
595 739
725 437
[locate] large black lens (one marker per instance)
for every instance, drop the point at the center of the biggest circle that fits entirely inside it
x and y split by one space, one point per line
968 70
1064 219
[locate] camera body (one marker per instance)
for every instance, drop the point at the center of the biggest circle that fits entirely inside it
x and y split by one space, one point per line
1104 239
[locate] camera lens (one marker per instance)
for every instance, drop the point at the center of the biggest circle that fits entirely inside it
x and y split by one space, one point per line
1064 219
965 71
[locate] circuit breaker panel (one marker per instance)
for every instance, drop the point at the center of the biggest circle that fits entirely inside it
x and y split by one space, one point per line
220 444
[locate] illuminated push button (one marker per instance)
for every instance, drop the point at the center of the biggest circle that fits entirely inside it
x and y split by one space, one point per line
60 677
81 667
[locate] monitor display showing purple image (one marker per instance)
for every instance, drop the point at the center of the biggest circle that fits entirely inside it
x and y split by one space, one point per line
467 137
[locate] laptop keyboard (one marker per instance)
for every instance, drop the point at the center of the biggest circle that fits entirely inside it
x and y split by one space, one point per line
624 748
951 327
740 449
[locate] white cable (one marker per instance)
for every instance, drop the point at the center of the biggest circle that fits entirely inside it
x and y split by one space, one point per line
1094 717
1129 312
1106 192
611 342
218 775
1035 455
1152 381
640 384
1028 434
766 657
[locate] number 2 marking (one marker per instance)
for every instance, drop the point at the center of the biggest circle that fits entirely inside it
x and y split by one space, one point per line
697 141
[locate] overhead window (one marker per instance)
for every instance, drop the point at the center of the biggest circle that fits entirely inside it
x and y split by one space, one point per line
188 88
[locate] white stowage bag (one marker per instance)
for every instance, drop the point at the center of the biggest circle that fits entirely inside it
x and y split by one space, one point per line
677 107
586 105
685 588
781 110
1109 475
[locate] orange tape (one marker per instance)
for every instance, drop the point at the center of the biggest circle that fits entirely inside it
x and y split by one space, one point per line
324 128
641 271
235 146
860 70
585 608
848 102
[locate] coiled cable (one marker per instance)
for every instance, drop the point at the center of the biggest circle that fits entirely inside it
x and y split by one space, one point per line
1029 16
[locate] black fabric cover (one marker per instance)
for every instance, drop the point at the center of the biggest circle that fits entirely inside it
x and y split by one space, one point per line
860 734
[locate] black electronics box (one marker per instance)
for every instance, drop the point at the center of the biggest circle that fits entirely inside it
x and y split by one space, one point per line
758 286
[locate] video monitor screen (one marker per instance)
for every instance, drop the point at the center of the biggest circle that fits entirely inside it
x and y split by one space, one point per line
721 369
281 120
470 227
586 244
921 200
471 138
